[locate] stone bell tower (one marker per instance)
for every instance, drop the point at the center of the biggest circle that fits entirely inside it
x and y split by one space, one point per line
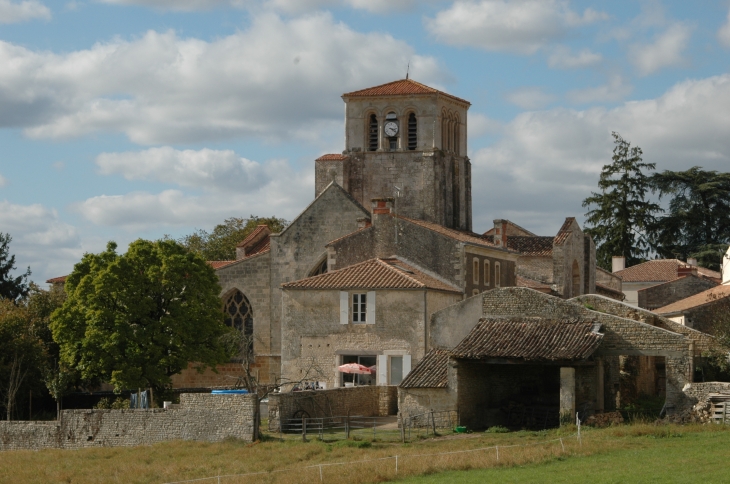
407 140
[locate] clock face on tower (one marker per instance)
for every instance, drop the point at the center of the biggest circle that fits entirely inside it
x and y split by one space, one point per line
391 129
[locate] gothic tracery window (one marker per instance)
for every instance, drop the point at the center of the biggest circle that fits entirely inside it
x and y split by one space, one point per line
239 315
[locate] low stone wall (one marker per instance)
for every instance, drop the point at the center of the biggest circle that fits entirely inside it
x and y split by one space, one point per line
367 401
695 406
199 416
418 401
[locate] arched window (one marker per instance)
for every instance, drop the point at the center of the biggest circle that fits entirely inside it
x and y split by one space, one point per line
373 133
576 279
497 275
239 315
320 268
412 132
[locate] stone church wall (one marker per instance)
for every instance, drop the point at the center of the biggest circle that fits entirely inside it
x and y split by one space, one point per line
205 417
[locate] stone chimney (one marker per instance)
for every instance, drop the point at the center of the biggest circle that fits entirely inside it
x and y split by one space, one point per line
363 222
500 233
618 263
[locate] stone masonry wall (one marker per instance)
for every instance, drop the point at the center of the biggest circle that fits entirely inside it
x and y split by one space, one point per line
205 417
364 401
663 294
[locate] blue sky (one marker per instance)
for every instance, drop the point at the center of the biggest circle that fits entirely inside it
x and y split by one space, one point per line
122 119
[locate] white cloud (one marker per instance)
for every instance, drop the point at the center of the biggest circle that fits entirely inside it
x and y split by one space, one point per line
521 26
723 35
615 90
11 12
206 168
563 58
40 240
283 195
665 51
480 125
530 98
278 79
177 5
548 162
287 6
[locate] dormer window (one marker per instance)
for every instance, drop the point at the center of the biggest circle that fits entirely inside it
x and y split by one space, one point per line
412 132
373 133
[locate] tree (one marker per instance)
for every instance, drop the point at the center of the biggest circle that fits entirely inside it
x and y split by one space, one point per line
220 244
134 320
620 216
12 288
21 352
698 221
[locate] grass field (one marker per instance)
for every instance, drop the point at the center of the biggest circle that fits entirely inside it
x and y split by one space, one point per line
630 453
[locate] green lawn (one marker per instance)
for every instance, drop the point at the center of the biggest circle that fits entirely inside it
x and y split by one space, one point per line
684 457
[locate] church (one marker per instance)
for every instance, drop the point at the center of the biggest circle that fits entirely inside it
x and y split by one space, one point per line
386 243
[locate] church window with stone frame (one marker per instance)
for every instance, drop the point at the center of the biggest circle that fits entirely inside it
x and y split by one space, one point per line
486 273
373 133
320 268
238 314
497 275
359 308
475 271
412 132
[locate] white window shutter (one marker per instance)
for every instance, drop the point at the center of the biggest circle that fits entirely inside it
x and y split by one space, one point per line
371 308
382 369
406 365
344 307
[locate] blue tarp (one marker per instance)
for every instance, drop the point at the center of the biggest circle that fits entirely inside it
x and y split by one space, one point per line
229 392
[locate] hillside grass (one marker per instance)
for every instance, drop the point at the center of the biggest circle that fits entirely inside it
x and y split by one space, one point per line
640 452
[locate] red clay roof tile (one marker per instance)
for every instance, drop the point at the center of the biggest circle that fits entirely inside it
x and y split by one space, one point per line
402 87
430 372
331 157
373 274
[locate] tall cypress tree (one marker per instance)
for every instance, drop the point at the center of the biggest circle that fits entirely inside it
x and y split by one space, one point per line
12 288
619 216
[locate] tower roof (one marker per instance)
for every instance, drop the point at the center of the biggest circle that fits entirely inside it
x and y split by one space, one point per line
402 87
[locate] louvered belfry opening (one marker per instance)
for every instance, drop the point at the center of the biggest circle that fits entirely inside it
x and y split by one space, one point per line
373 133
412 132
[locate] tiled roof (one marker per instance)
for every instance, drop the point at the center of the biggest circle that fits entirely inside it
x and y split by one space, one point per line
331 157
57 280
460 235
261 246
699 299
532 284
430 372
535 246
661 270
403 87
530 340
373 274
564 231
252 236
217 264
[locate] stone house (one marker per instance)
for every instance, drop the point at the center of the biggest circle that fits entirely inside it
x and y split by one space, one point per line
700 310
499 364
659 271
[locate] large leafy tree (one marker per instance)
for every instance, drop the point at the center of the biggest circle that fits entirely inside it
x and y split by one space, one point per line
697 223
21 354
619 216
136 319
220 244
12 288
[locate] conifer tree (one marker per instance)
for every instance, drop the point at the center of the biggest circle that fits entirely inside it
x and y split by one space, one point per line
619 216
12 288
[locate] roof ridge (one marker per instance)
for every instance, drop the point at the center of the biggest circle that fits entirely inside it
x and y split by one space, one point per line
401 273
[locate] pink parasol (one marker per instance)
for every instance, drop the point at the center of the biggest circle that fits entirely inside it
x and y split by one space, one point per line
355 368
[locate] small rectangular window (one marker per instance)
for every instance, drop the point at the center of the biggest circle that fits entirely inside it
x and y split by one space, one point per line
497 275
486 273
475 271
359 308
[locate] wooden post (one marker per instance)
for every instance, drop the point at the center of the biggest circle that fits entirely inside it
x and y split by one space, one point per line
304 429
402 430
433 422
347 427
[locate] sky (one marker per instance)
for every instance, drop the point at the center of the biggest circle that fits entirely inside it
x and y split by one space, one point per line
126 119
